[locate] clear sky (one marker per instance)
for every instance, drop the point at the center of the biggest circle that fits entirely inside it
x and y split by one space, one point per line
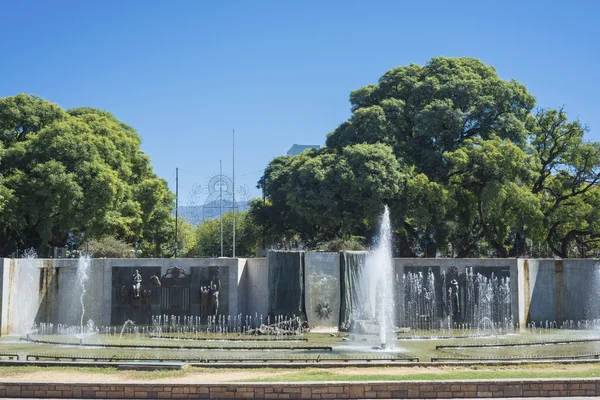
185 73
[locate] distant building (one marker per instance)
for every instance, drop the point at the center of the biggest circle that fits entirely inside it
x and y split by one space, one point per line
299 148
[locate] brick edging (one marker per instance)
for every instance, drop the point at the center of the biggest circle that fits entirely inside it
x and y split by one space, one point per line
308 390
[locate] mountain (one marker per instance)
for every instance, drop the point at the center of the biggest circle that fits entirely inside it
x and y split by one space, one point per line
196 214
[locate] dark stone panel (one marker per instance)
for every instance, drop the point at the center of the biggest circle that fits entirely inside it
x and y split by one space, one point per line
204 276
498 272
124 306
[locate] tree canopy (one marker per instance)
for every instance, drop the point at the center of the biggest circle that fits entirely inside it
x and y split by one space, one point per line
72 169
454 151
207 242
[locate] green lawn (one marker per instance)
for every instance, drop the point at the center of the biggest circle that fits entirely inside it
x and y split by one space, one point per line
393 373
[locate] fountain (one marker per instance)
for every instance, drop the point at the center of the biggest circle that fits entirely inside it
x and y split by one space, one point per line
379 278
469 301
420 307
82 275
188 308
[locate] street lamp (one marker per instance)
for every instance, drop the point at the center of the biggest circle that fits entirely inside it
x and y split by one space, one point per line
82 235
71 242
518 238
426 240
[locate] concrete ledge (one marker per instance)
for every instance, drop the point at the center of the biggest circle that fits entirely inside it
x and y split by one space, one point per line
157 366
298 364
317 390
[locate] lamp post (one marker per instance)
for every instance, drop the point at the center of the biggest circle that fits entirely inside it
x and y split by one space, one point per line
71 241
518 238
82 238
426 240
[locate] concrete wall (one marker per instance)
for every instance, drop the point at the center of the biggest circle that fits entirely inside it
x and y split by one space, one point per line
559 290
21 293
4 296
322 289
544 289
257 290
57 291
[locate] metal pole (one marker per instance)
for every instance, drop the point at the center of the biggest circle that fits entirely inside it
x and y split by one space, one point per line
263 218
233 149
176 207
221 201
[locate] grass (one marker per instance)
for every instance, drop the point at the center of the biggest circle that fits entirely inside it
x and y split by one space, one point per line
334 374
108 371
438 373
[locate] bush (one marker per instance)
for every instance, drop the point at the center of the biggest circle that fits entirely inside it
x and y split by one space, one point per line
341 244
109 247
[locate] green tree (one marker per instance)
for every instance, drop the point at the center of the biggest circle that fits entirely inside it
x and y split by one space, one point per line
452 149
186 236
321 195
424 111
492 178
208 237
567 180
80 168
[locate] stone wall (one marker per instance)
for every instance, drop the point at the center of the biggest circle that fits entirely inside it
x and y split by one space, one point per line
57 292
559 290
321 390
322 286
4 296
257 287
542 290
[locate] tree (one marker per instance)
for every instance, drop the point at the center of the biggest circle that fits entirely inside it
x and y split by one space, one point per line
454 151
208 237
492 177
81 168
567 180
325 194
186 236
424 111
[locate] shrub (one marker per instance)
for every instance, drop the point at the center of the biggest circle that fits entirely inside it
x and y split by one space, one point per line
109 247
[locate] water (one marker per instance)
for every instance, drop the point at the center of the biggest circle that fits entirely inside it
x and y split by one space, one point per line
420 306
489 302
469 302
224 326
82 277
379 277
26 298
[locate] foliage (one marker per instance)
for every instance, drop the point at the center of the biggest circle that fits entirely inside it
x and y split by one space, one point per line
208 237
453 150
342 244
109 247
325 194
81 168
186 236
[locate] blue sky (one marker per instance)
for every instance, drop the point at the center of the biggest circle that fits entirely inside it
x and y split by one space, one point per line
185 73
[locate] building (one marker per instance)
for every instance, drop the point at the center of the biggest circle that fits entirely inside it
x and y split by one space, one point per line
299 148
